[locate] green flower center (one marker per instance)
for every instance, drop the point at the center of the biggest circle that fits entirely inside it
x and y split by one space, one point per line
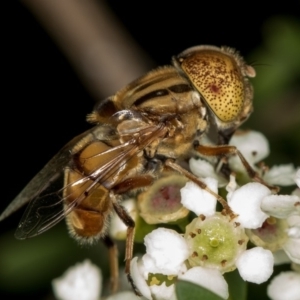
215 242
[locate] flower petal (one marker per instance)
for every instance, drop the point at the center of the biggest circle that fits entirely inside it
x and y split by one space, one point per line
285 286
82 282
255 265
246 201
282 175
280 206
198 200
166 250
203 169
136 271
291 247
252 144
210 279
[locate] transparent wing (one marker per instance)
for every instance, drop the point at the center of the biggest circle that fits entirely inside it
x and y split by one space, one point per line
48 196
45 178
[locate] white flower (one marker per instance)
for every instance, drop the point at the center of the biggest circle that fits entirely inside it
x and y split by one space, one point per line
285 286
286 207
166 251
82 281
245 202
276 234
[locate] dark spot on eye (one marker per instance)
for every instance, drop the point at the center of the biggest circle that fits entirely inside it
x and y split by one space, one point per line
215 89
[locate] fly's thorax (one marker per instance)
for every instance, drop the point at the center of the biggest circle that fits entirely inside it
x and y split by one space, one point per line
220 76
163 96
155 92
163 91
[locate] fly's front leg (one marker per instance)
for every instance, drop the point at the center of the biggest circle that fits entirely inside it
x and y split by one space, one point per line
227 210
229 151
128 221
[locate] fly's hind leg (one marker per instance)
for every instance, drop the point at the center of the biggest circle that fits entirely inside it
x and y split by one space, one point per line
227 150
113 262
128 221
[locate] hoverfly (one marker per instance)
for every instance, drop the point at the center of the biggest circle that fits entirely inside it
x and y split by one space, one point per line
149 127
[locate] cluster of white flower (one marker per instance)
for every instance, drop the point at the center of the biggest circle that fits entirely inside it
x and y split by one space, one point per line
214 243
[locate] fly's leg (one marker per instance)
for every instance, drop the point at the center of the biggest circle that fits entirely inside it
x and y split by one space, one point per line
113 262
229 151
133 183
171 164
128 221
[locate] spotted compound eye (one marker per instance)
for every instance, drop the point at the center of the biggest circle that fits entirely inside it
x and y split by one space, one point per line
219 79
